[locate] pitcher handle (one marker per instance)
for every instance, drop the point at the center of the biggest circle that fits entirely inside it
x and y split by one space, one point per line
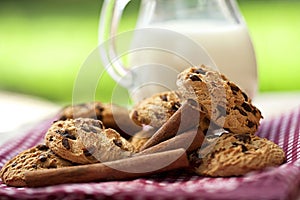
111 14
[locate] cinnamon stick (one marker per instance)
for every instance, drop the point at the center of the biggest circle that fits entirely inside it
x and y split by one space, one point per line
189 140
116 170
186 117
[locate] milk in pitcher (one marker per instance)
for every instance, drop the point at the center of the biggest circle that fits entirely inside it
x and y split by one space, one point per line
229 46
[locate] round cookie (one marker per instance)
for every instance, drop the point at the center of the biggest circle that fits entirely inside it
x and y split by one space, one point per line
35 158
157 109
111 115
84 140
85 110
140 138
235 155
227 105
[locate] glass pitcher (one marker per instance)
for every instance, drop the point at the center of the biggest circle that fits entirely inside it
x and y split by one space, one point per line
217 26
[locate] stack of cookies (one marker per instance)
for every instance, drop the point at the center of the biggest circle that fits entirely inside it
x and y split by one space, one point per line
83 134
228 122
209 116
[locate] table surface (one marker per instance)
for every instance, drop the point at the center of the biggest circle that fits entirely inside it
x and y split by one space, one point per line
19 112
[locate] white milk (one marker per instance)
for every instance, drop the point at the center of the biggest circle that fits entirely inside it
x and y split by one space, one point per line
229 46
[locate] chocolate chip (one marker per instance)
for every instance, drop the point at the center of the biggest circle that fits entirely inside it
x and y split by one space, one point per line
14 164
59 125
240 110
42 158
206 120
72 137
234 87
100 108
65 133
93 130
89 151
100 117
34 166
62 118
97 124
247 107
86 152
117 142
68 135
194 77
164 97
245 138
89 128
250 124
195 161
51 138
234 144
200 71
176 106
85 128
245 96
65 143
135 114
42 147
244 148
224 77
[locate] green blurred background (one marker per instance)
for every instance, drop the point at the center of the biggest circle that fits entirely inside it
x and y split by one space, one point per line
44 43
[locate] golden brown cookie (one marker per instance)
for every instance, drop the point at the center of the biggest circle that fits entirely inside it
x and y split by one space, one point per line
35 158
84 140
157 109
140 138
235 155
227 105
111 115
85 110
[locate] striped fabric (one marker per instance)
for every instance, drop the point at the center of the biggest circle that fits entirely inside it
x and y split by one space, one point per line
275 183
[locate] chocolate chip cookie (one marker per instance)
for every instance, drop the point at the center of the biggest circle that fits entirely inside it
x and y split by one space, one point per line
227 105
35 158
85 110
140 138
157 109
85 140
235 155
111 115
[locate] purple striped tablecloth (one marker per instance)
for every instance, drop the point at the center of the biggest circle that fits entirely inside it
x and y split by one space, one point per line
282 183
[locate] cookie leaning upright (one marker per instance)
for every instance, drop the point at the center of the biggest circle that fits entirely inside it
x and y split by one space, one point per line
140 138
227 105
111 115
236 154
35 158
157 109
84 141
